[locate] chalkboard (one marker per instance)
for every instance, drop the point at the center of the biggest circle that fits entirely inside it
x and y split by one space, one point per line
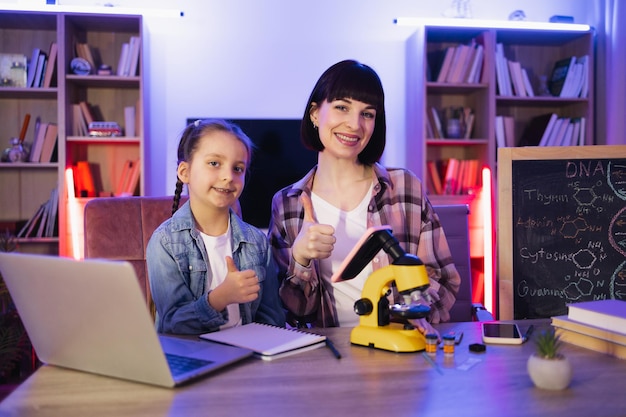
568 232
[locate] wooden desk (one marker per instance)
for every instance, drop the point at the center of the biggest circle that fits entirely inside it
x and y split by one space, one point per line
365 382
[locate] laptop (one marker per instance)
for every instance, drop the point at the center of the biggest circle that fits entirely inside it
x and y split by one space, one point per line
91 316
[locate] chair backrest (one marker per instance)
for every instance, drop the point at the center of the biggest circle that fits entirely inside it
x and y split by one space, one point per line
119 228
454 220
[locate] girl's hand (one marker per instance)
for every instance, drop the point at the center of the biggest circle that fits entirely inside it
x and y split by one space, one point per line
238 287
424 327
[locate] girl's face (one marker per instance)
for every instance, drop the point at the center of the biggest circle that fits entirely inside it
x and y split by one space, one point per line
216 174
345 126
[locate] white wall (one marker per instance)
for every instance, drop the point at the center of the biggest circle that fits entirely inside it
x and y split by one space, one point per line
260 59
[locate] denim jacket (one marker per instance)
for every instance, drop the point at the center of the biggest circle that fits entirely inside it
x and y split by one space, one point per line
178 271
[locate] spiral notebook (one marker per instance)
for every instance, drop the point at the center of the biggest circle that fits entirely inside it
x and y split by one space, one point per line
268 342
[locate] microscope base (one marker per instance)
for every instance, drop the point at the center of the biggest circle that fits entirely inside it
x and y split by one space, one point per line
392 337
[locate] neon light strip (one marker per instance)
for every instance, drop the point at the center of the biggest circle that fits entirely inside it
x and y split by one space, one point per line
94 9
495 24
72 207
488 241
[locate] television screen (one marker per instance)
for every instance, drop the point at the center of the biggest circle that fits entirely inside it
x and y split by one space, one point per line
279 159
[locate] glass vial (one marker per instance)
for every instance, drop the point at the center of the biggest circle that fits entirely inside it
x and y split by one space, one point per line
431 343
448 344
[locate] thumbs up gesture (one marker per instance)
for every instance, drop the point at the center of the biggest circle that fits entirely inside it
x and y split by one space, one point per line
315 241
238 287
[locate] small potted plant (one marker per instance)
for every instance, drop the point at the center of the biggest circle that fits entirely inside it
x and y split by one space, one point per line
548 368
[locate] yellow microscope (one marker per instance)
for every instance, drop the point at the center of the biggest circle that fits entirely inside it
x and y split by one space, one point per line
381 325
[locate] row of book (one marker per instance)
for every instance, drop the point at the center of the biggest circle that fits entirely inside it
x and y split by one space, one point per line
44 223
547 129
128 63
457 64
45 143
511 78
88 180
452 176
449 123
570 77
37 72
598 325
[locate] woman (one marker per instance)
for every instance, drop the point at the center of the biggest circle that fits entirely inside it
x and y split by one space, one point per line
316 221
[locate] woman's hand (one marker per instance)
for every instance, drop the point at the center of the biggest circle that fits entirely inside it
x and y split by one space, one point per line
315 241
424 327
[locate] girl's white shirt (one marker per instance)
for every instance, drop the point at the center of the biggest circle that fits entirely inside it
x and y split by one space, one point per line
218 248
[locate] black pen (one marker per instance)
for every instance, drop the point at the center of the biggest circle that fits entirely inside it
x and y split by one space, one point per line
529 331
333 349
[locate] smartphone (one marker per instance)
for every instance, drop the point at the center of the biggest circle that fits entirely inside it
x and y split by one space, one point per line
502 333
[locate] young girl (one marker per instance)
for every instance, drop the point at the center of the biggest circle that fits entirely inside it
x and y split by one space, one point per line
209 269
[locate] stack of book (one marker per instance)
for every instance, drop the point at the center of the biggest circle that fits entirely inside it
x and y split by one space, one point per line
512 79
597 325
457 64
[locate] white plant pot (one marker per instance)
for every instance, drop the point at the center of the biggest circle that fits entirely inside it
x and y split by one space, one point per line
552 374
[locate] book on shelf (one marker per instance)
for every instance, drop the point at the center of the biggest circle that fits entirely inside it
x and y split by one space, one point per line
561 69
87 112
527 84
79 125
129 178
129 121
87 179
134 52
606 314
50 142
473 75
30 225
445 66
49 78
123 60
500 135
433 175
558 132
509 131
37 146
517 80
459 64
435 121
584 88
83 50
32 67
503 77
590 337
268 342
39 72
52 207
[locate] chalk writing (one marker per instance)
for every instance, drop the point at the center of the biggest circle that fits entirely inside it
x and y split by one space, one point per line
569 233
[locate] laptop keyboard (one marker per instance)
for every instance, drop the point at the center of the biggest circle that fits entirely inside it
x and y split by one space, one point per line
183 364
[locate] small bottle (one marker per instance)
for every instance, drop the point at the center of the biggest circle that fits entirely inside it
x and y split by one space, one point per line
448 344
431 343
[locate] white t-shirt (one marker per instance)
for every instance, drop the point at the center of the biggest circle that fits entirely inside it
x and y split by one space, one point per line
218 247
349 227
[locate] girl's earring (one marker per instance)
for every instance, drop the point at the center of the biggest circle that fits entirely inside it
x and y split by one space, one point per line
314 126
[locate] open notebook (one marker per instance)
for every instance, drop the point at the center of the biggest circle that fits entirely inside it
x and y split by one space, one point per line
268 342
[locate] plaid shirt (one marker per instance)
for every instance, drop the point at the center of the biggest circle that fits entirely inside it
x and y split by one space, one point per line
397 200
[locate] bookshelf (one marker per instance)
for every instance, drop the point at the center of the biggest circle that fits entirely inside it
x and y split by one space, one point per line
537 51
25 186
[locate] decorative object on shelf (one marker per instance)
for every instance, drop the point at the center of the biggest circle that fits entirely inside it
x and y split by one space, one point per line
13 70
548 368
517 15
459 9
80 66
15 152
